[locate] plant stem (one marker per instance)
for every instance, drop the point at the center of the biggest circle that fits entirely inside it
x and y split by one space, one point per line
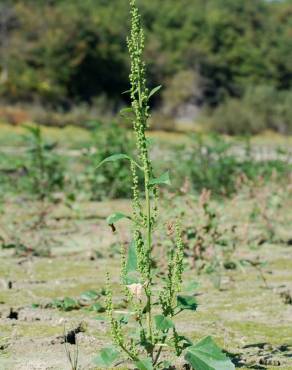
147 171
133 357
160 349
149 246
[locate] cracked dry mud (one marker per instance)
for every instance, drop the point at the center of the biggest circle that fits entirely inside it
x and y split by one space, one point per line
252 323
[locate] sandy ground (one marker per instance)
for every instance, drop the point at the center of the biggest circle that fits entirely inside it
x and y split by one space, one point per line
251 321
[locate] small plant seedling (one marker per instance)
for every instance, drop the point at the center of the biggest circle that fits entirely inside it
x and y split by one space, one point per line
152 311
89 300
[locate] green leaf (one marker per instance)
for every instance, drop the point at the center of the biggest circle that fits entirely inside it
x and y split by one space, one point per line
163 323
90 295
115 217
115 157
144 364
191 286
106 357
130 91
8 246
162 180
132 258
126 92
57 303
124 319
184 341
206 355
150 141
166 364
126 111
97 307
69 304
132 275
154 91
187 302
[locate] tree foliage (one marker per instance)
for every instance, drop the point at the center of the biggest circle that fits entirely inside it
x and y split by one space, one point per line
61 52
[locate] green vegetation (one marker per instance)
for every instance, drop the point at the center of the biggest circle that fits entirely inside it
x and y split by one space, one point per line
236 244
223 166
110 181
46 170
201 240
156 329
65 62
42 166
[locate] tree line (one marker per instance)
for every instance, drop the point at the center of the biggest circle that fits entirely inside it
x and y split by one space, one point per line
205 52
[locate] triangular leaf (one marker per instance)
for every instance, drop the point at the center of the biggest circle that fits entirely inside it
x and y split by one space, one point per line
132 275
187 302
132 258
106 357
154 91
144 364
162 180
206 355
163 323
115 217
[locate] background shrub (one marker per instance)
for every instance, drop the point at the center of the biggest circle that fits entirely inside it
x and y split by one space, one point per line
203 53
222 166
261 108
234 117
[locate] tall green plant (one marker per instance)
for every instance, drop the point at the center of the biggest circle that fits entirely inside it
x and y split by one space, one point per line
46 171
151 310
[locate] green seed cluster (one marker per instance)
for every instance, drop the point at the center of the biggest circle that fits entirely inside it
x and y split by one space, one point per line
139 91
174 276
116 330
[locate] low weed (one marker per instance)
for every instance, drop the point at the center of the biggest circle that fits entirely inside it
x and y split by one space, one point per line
210 245
224 167
266 204
39 170
72 356
90 300
45 169
18 243
108 181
